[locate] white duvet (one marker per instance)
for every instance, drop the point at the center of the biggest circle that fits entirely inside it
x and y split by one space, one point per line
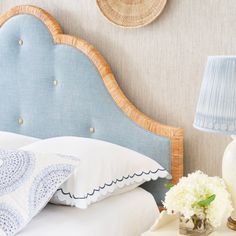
128 214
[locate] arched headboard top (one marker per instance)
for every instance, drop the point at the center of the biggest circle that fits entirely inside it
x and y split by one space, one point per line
53 84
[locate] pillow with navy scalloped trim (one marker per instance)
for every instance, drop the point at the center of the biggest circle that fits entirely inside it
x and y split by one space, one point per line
28 180
105 169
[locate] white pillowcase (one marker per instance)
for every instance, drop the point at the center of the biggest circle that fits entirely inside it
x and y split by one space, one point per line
105 169
15 141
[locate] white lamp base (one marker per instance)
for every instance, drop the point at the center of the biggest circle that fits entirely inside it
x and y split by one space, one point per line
229 175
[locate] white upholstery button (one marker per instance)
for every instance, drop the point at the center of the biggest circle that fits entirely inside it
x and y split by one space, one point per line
92 130
21 42
55 82
20 121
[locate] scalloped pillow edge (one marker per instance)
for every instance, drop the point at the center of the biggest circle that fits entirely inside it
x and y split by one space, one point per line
104 191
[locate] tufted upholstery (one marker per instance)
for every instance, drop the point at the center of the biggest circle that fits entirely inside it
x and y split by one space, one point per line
49 90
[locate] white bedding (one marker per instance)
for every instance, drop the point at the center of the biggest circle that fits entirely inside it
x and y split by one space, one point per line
128 214
15 141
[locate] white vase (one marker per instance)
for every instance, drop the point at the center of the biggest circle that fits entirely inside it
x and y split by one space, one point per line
229 175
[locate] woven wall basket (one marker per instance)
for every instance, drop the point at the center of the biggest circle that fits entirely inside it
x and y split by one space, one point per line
131 13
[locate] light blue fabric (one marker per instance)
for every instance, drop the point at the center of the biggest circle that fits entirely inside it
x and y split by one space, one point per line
216 109
78 102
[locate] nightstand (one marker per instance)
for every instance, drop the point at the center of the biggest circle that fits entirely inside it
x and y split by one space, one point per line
173 229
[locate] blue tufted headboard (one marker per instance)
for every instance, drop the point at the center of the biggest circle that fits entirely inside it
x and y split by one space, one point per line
52 84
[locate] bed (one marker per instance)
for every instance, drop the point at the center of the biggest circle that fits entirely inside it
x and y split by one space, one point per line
53 84
128 214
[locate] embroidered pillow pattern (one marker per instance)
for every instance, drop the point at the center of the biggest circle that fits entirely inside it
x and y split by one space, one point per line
15 167
10 219
44 185
27 182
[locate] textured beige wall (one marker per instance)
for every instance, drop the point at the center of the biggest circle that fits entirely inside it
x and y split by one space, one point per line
160 66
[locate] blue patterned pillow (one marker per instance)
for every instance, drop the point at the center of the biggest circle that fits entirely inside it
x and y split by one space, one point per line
27 182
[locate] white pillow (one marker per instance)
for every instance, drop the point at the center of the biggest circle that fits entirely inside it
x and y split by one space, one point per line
15 141
105 169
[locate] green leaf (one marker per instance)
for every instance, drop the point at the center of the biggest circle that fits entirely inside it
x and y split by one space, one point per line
207 201
169 185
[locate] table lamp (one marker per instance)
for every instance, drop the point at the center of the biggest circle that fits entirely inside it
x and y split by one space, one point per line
216 112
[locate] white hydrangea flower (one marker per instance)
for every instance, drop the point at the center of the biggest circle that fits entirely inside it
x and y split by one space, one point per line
182 198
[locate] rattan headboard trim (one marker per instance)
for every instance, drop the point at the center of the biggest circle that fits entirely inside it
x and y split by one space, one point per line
173 133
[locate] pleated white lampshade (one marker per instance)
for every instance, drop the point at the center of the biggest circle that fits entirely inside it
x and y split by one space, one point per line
216 109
